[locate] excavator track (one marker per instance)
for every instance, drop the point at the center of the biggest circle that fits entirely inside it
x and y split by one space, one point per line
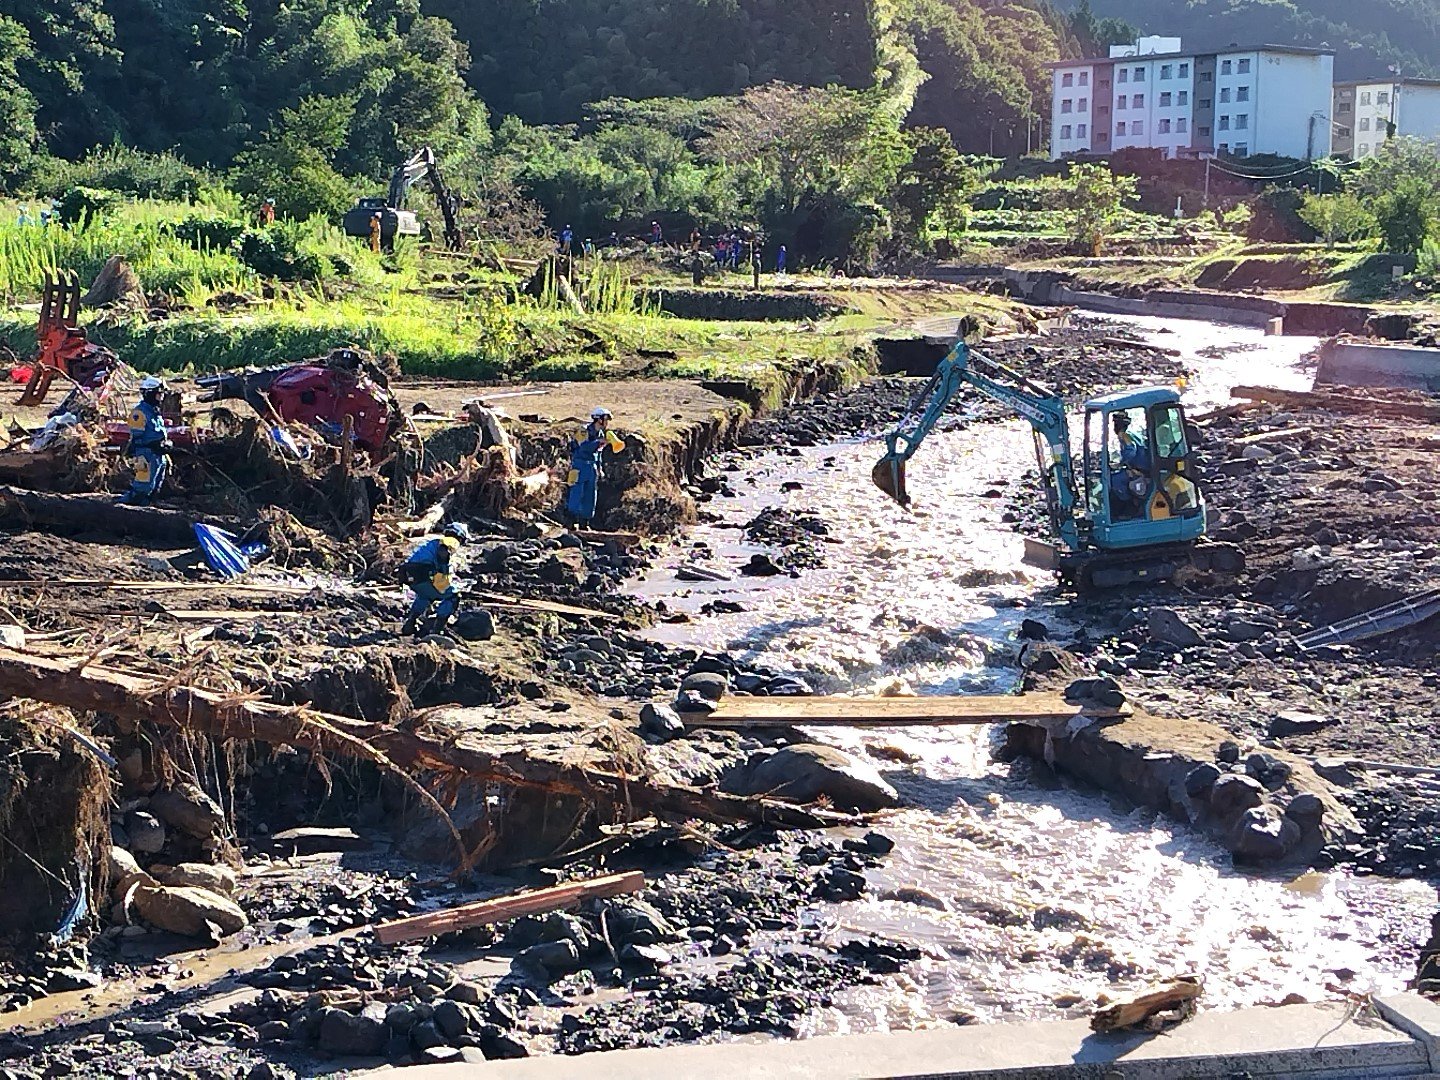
1116 569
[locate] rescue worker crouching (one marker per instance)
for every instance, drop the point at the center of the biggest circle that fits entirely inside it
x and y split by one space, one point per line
586 455
427 572
148 446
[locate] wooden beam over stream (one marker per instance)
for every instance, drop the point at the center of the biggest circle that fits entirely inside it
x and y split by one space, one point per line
923 711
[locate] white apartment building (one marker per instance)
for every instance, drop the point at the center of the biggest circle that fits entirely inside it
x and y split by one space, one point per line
1365 110
1270 99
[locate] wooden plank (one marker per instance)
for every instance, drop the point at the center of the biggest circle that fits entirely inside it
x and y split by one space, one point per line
1266 436
1343 403
931 710
483 912
155 586
526 604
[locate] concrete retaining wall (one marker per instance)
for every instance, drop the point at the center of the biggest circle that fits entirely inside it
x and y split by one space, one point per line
1322 1040
1354 363
1239 309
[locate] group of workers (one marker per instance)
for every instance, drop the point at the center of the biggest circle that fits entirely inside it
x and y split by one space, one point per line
48 216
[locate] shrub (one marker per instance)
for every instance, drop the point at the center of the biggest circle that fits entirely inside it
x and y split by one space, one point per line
83 205
207 232
1275 215
279 252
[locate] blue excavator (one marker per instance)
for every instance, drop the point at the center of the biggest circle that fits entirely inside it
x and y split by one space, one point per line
1131 513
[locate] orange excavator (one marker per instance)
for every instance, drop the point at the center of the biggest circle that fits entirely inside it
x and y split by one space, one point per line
64 348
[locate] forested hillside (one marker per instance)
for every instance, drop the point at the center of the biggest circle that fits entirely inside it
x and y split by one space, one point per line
1367 37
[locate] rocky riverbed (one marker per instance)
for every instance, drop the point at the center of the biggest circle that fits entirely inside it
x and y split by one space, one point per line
995 890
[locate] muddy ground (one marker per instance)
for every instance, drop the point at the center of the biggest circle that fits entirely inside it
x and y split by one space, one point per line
1335 520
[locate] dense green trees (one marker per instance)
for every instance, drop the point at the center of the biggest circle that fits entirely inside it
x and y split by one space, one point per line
18 135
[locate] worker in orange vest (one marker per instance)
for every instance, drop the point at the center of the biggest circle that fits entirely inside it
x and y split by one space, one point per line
375 233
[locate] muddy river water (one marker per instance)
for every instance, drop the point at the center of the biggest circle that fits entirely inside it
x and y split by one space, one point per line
1025 899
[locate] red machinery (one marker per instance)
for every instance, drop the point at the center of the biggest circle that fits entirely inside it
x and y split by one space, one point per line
321 394
64 348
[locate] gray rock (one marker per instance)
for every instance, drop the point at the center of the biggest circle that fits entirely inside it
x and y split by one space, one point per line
1101 691
1228 753
146 833
688 701
344 1035
1166 625
1234 792
1262 835
633 920
553 956
1199 780
402 1016
1306 807
1245 630
806 772
65 979
190 810
1270 771
474 624
1294 722
466 993
660 722
451 1019
710 685
426 1034
439 1055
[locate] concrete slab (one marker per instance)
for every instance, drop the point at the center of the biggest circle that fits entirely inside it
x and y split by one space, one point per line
1356 363
1418 1017
1310 1041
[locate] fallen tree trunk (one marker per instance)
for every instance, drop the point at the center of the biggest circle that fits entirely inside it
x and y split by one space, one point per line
1341 403
97 514
90 689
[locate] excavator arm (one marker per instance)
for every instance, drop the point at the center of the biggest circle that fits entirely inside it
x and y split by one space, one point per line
423 163
1042 407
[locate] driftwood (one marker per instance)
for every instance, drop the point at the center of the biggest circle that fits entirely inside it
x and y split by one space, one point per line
1340 403
140 698
98 514
1178 998
484 912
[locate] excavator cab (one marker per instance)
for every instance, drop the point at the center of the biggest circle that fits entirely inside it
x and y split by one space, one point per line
1139 477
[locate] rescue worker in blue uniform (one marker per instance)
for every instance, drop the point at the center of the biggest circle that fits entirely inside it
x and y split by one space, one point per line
1130 482
586 453
427 572
148 445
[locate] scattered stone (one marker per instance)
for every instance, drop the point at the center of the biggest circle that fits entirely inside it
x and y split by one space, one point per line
1234 792
708 684
316 841
761 565
1293 722
660 722
474 624
190 810
146 833
688 701
218 879
1166 625
188 911
345 1035
1200 779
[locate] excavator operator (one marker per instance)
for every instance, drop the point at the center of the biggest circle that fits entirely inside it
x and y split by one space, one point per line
1130 482
148 445
427 572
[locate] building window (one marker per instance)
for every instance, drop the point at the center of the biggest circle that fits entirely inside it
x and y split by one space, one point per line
1182 125
1102 136
1224 67
1084 78
1207 76
1242 150
1137 127
1067 105
1137 101
1364 123
1224 94
1068 79
1165 71
1123 75
1345 132
1184 71
1164 127
1182 98
1243 67
1080 130
1165 100
1224 123
1103 84
1065 131
1102 110
1382 98
1242 121
1206 103
1364 148
1139 74
1365 98
1344 108
1203 131
1224 148
1120 128
1120 102
1242 93
1082 104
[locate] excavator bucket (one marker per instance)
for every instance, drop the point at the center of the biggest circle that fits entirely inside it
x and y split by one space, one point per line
889 477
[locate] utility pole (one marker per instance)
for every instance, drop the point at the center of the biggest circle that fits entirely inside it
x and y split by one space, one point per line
1207 182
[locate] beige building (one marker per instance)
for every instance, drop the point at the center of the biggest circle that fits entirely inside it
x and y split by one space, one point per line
1370 111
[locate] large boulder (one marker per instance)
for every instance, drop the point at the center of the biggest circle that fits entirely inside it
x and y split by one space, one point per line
217 879
351 1035
188 911
187 808
808 772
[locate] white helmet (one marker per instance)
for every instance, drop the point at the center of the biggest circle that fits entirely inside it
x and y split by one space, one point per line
600 413
151 382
